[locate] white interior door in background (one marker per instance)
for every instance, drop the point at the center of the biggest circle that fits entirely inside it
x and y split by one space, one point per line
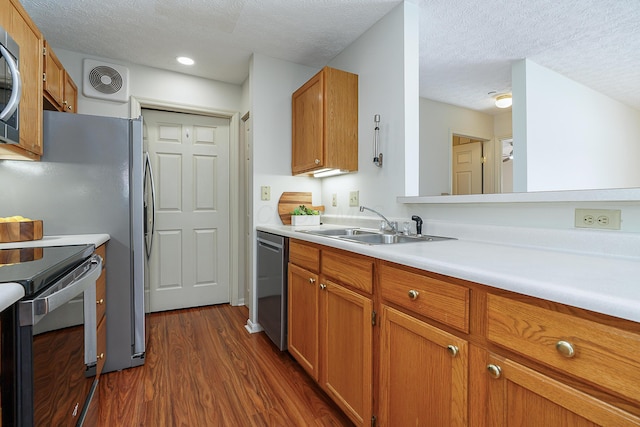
189 263
467 168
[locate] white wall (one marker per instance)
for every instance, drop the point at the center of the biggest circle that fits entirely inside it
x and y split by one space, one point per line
437 122
580 140
272 83
378 57
154 84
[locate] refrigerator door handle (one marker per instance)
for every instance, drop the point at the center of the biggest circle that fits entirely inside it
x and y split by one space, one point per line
148 172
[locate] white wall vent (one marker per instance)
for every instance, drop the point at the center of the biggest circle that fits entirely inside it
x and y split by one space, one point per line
105 81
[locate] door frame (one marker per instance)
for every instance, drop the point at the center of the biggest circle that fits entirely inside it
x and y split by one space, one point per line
235 214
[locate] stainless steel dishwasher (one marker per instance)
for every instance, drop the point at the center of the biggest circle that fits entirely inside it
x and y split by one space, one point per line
273 256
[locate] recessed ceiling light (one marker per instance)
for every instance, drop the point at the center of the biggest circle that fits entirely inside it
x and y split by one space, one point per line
503 101
185 60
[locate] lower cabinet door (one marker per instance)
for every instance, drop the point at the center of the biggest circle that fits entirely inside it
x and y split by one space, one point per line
423 373
346 371
520 396
303 318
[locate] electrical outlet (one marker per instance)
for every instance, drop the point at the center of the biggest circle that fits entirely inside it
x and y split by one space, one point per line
354 198
265 192
607 219
334 200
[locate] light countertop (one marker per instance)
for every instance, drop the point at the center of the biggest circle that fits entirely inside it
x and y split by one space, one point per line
12 292
604 284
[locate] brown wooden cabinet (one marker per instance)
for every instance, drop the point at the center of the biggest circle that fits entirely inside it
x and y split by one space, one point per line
325 123
59 90
303 318
70 103
423 369
450 352
17 22
331 324
521 396
423 373
101 307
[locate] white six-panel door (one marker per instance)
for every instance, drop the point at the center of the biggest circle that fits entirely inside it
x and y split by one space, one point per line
189 263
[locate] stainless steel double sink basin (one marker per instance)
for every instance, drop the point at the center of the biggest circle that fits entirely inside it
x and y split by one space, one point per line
371 237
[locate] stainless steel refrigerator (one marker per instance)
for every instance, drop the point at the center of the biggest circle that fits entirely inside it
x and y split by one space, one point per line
91 179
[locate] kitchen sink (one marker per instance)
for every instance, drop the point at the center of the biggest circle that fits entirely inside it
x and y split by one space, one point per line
386 239
370 237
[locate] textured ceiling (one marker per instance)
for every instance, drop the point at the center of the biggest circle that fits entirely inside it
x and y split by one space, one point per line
466 46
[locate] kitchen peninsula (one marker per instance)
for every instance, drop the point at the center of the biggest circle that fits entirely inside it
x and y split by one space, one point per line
482 317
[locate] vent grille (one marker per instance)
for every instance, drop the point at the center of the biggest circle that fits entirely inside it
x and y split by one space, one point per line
105 81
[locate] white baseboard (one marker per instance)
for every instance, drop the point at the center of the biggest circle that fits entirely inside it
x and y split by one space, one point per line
253 328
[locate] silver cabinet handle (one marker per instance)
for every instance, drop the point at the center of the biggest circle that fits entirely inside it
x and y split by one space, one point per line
312 280
413 294
453 350
323 286
317 161
494 370
565 348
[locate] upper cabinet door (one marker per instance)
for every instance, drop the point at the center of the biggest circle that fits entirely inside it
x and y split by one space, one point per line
53 80
325 123
308 129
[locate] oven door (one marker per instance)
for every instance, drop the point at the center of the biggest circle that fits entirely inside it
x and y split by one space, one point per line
51 383
10 89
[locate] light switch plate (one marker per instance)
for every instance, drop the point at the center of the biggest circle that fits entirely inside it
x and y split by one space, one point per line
265 192
354 198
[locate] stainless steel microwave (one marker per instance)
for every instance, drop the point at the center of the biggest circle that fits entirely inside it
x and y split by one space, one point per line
10 89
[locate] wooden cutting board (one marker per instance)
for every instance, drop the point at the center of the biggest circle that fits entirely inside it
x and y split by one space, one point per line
290 200
20 231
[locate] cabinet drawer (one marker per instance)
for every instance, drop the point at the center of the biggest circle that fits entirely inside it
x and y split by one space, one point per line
348 269
101 296
602 354
101 345
304 256
442 301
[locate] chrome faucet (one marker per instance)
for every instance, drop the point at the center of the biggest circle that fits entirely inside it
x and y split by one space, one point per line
392 225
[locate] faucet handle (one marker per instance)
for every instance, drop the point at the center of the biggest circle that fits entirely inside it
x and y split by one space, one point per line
418 221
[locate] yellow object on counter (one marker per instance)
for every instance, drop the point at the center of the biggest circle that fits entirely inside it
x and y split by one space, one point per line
17 218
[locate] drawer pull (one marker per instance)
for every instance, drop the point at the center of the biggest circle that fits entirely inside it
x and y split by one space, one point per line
565 348
317 161
494 370
453 350
312 280
101 356
413 294
100 301
323 286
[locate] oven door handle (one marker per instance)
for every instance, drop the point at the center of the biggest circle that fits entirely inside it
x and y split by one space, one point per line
64 290
14 99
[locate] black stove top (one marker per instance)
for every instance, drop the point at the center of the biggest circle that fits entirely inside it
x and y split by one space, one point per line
36 268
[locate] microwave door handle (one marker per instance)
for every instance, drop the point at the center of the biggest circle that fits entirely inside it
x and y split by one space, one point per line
14 99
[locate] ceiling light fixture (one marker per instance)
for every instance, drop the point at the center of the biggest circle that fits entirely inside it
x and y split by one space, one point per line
184 60
504 101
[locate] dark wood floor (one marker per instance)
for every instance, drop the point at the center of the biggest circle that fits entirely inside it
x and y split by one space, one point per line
204 369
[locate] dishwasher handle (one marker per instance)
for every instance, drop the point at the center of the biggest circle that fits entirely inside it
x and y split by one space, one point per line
64 290
267 244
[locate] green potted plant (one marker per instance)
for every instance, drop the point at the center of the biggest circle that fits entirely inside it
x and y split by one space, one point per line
302 215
